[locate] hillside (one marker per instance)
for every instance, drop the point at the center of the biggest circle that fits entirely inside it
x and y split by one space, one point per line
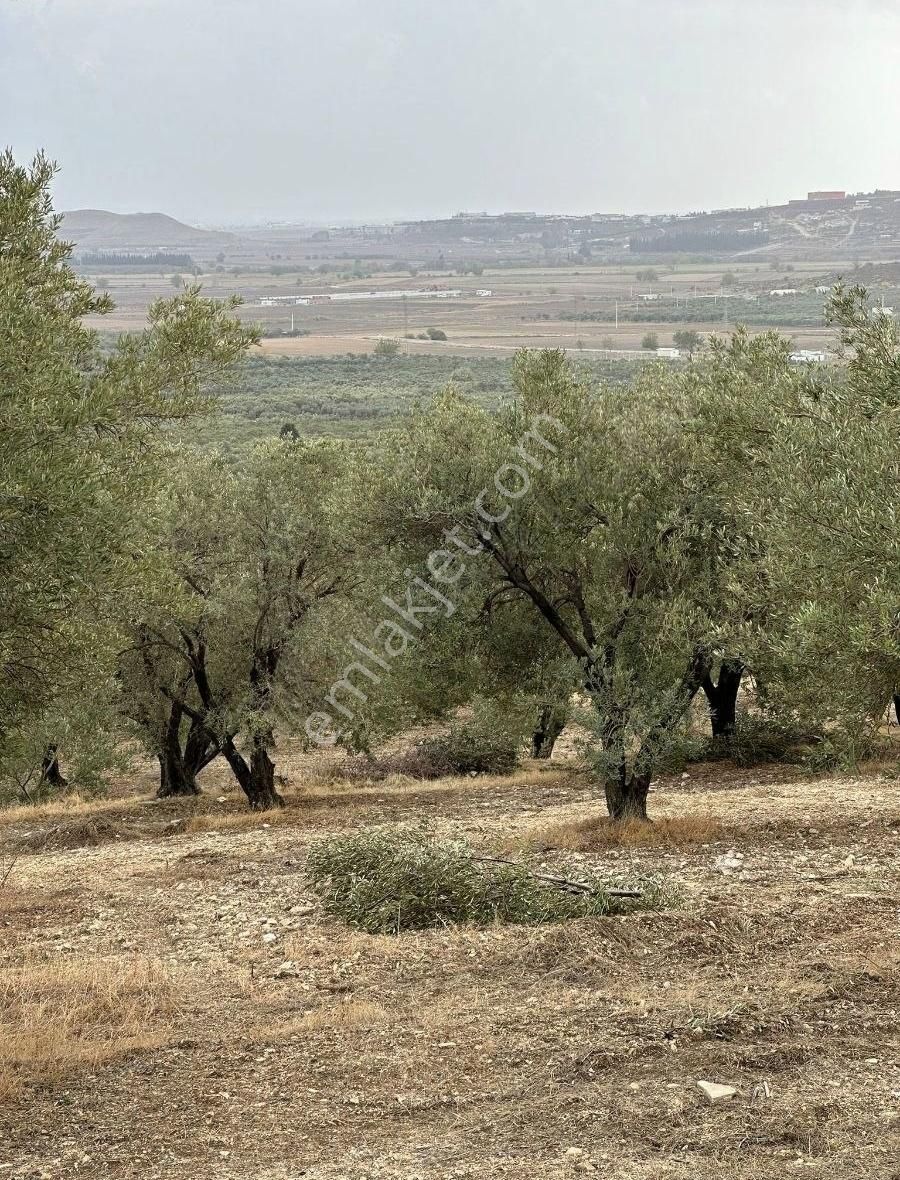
98 229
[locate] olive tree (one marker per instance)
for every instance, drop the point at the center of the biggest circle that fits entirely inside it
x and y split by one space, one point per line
78 455
592 510
262 562
818 454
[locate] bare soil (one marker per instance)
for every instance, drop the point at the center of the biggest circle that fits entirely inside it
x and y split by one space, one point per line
288 1046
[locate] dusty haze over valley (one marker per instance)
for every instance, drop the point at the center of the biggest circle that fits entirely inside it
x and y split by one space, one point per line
449 589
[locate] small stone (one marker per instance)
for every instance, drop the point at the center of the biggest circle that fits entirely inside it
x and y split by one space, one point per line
730 862
222 799
716 1092
574 1152
269 937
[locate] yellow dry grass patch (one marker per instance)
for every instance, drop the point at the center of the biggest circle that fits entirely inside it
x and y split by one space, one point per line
243 821
598 833
56 1017
348 1014
66 806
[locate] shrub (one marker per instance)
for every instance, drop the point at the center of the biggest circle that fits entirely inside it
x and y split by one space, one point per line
385 348
469 748
413 762
842 751
758 739
436 333
472 749
388 881
687 340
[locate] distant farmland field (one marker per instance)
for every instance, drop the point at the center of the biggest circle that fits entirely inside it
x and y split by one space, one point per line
352 395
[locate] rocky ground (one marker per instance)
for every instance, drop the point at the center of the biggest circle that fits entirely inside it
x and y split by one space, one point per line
258 1038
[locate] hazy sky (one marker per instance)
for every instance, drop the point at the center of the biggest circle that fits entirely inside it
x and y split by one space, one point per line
228 110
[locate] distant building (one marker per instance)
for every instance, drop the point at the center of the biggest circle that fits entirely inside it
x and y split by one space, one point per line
827 195
809 356
780 292
669 353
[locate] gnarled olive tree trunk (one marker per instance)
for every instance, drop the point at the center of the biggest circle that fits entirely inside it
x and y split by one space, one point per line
256 778
629 770
179 765
50 772
626 797
551 723
722 697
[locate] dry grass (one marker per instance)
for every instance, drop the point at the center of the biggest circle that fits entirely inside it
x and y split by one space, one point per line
73 804
58 1016
324 797
598 833
346 1015
486 1052
243 821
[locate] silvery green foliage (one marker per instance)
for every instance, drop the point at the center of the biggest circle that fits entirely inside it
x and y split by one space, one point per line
813 458
389 880
609 572
262 566
79 429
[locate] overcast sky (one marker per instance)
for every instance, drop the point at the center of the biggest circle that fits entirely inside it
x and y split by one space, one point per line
236 110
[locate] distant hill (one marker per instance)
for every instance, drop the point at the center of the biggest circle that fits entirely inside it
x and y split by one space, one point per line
97 229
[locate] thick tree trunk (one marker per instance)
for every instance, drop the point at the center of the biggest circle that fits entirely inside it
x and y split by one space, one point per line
176 777
722 697
50 772
551 723
627 789
897 706
199 748
626 797
262 795
257 779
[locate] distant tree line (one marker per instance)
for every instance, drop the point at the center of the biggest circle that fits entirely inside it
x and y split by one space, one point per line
157 259
697 242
